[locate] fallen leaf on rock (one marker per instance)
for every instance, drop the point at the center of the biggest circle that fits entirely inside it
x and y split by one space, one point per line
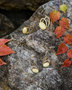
68 39
3 41
62 48
59 31
67 63
54 16
69 53
2 62
64 23
63 8
4 50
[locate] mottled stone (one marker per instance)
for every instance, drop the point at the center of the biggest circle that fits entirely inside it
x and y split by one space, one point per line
33 48
4 86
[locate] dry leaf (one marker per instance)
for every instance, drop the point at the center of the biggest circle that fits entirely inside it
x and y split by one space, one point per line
2 62
67 63
62 48
68 39
64 23
4 50
54 16
3 41
59 31
69 53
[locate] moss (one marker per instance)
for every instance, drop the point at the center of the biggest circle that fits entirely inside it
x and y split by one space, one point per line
4 86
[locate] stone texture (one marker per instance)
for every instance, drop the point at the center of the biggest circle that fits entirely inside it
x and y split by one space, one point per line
4 86
21 4
34 47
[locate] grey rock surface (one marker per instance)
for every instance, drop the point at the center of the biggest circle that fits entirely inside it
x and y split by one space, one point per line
21 4
34 47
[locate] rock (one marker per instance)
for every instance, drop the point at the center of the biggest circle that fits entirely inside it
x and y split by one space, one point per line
17 17
6 26
21 4
31 49
3 86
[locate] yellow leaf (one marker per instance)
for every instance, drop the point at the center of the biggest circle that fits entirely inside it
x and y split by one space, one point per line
63 8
